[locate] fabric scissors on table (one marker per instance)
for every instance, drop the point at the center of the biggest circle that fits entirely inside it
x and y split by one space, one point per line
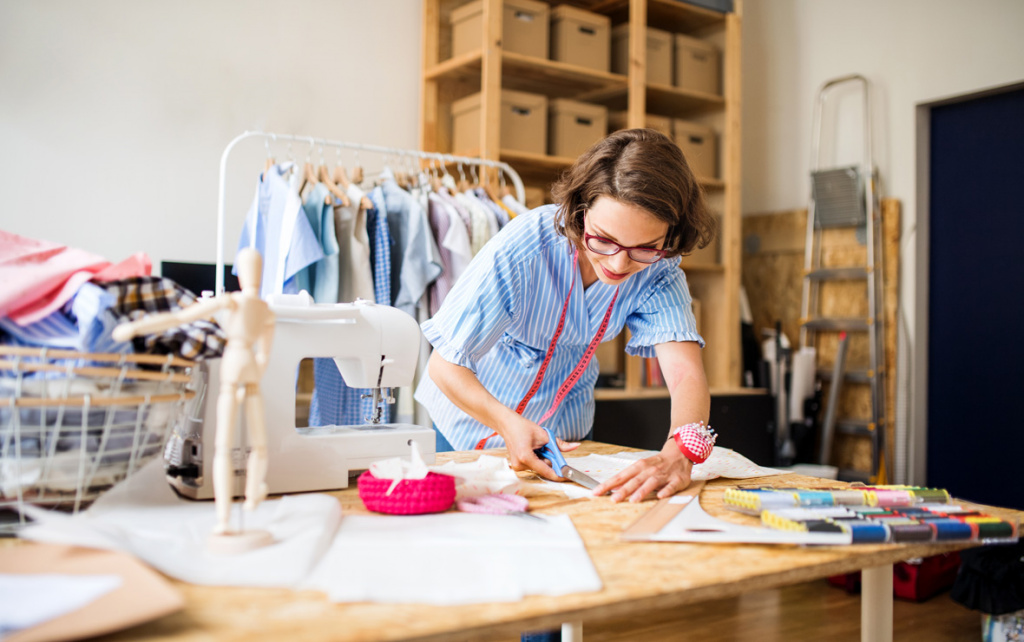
553 454
497 504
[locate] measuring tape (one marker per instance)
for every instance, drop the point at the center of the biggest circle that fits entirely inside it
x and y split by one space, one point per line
577 372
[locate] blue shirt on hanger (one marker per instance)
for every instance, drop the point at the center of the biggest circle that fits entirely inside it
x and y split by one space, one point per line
277 229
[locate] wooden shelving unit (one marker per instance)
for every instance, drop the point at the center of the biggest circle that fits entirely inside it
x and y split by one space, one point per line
489 69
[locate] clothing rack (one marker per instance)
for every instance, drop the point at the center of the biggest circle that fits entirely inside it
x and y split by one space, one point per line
269 137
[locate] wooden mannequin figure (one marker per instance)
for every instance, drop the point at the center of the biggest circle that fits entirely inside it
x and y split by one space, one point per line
249 326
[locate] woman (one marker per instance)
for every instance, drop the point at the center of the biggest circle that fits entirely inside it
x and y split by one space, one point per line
606 257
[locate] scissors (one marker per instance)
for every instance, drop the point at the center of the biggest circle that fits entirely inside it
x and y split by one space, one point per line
497 504
553 454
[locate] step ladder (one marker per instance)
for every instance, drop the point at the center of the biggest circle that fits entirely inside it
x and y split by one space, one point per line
845 197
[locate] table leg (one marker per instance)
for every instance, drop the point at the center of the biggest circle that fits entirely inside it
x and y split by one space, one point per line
572 632
876 604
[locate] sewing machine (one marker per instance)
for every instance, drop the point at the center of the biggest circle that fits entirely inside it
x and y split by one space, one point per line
374 346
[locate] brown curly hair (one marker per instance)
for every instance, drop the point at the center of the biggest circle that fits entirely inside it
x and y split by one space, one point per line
642 167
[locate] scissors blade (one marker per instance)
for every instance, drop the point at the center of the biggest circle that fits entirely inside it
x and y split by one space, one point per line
580 478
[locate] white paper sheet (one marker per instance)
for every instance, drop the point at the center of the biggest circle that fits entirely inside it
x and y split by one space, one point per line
454 558
33 598
143 516
723 462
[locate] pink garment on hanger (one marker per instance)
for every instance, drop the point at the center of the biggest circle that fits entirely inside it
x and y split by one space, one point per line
37 277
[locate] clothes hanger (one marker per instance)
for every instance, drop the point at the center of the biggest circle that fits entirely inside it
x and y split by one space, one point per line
357 171
270 157
334 192
308 173
463 184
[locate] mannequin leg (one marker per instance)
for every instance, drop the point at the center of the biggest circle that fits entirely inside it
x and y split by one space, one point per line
256 468
223 466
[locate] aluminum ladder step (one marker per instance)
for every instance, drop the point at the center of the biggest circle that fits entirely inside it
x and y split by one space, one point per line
839 274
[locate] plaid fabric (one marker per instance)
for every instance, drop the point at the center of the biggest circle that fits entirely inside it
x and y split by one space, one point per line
139 296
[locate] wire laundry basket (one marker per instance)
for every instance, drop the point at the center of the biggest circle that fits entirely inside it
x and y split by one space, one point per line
73 424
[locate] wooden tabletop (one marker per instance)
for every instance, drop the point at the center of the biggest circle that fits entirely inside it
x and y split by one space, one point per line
637 577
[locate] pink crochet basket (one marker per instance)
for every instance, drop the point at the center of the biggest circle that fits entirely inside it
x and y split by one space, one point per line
432 494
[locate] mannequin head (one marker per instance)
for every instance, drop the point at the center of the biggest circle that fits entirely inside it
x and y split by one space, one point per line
249 265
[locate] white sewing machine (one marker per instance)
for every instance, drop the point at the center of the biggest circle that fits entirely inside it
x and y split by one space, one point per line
374 346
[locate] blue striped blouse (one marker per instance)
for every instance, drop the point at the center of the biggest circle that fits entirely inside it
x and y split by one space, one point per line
499 318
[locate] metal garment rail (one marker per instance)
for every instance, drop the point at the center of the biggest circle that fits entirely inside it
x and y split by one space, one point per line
324 142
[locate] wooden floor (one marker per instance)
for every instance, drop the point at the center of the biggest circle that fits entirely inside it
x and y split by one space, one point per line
810 611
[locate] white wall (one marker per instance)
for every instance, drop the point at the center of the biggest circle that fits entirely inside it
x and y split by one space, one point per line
914 52
114 113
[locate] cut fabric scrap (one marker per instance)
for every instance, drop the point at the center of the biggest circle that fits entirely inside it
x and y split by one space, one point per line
485 476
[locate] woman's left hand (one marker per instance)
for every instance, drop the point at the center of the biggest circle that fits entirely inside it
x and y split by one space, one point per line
668 472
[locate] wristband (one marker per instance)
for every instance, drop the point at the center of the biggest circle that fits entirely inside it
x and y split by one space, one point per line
695 441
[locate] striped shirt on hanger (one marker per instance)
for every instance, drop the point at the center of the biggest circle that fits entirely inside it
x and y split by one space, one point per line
501 314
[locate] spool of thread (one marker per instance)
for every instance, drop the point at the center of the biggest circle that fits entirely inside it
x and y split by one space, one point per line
849 498
931 495
865 532
950 529
910 532
885 497
815 498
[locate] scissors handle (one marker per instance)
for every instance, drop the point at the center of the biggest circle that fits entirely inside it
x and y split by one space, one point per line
552 453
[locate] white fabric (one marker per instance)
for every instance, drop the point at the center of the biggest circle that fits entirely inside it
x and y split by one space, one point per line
484 476
28 599
447 558
454 558
723 462
143 516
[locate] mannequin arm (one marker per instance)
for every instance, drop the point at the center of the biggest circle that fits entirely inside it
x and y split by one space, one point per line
152 323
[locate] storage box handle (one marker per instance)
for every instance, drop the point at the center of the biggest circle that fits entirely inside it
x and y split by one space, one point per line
584 121
699 56
590 31
522 111
697 140
523 15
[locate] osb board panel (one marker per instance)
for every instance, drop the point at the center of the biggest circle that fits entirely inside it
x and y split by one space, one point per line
773 265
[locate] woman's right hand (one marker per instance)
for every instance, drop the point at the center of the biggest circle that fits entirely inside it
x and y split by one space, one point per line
522 438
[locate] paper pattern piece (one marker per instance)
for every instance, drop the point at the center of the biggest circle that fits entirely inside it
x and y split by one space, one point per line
454 558
723 462
30 599
138 594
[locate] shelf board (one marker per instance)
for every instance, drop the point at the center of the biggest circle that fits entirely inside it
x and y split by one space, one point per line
622 394
707 268
536 75
670 15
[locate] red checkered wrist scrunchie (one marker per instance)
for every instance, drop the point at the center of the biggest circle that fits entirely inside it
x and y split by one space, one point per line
695 441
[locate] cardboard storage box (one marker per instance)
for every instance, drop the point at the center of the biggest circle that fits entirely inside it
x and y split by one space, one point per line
574 126
581 38
525 27
659 54
524 123
698 65
617 121
699 145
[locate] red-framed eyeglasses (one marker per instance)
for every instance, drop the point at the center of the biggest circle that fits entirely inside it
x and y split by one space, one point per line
607 247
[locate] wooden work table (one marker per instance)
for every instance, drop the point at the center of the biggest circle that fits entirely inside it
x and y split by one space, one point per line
637 578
